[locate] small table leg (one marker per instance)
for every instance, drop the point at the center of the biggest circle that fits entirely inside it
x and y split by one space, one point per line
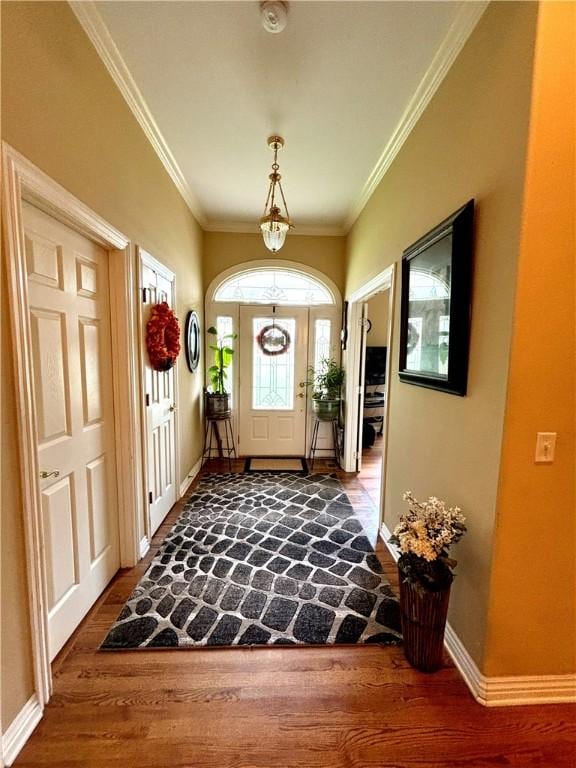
314 441
335 439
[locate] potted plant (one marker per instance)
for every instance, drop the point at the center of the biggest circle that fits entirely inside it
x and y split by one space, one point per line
424 536
326 386
217 401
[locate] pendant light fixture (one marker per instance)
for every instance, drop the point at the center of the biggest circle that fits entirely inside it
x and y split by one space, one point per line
273 224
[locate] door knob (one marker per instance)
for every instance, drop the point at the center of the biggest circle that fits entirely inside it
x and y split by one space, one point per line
300 394
173 408
53 473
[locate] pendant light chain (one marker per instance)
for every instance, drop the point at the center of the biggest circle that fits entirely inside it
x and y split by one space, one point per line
268 198
274 175
284 201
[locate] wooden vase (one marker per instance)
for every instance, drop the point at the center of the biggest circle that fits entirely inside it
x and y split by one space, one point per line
423 615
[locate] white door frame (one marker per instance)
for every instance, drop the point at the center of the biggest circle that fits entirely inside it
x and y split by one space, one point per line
24 181
245 358
143 257
385 280
213 308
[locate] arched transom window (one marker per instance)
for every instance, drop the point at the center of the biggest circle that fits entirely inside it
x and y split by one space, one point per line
426 286
274 286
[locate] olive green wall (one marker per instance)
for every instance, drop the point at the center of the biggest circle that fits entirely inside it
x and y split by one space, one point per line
378 308
469 143
223 250
62 111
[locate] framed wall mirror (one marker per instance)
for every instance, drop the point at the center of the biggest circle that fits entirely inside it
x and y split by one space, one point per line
436 305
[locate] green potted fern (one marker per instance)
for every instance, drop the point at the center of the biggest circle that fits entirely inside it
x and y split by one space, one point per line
218 400
326 384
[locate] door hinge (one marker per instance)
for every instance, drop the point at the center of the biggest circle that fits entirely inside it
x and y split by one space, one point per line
150 497
147 400
358 390
144 295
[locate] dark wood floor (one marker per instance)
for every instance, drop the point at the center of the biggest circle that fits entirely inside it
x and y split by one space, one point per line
326 707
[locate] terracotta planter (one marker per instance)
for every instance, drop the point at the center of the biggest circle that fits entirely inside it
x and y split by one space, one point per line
423 616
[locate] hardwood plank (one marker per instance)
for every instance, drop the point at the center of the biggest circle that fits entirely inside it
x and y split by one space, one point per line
327 707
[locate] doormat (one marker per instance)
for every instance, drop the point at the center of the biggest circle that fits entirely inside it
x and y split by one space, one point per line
261 559
272 464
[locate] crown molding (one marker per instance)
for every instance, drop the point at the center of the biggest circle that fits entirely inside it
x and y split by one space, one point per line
87 13
460 30
506 691
251 228
468 15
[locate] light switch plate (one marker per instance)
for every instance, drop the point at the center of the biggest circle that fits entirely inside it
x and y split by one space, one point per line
545 447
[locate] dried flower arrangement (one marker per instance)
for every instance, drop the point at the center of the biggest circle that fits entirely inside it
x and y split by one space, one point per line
424 536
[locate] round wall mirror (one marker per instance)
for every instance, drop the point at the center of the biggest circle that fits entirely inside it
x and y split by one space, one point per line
192 340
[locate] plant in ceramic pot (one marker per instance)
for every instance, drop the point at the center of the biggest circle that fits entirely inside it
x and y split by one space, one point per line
424 536
326 386
217 401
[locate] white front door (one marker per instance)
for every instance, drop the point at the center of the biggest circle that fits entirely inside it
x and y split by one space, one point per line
68 296
157 285
272 402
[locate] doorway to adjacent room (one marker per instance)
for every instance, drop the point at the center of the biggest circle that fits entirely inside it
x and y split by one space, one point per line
367 360
375 392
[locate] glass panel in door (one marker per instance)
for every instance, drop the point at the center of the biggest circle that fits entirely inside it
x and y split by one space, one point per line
272 375
272 408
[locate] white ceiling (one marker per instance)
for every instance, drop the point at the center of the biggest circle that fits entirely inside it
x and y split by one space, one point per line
340 84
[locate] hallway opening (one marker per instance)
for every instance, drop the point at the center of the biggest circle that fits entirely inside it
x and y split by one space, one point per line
374 385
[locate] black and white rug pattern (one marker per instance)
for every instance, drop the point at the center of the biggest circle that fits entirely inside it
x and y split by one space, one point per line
261 559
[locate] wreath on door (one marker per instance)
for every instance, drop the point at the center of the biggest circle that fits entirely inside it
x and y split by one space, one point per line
162 337
273 340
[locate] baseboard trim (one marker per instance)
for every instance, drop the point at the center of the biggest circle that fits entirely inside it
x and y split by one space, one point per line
530 689
20 729
190 477
144 546
465 665
385 533
500 691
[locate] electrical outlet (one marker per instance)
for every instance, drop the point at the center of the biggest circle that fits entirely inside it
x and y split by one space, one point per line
545 447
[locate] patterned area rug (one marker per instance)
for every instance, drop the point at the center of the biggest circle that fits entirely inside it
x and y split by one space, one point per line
261 559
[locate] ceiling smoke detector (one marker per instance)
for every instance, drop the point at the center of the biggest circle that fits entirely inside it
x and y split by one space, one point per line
274 15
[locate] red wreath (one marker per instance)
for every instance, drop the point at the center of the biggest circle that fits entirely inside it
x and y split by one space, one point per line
162 337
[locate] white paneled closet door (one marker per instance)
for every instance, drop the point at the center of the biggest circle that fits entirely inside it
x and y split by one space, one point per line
71 349
157 285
